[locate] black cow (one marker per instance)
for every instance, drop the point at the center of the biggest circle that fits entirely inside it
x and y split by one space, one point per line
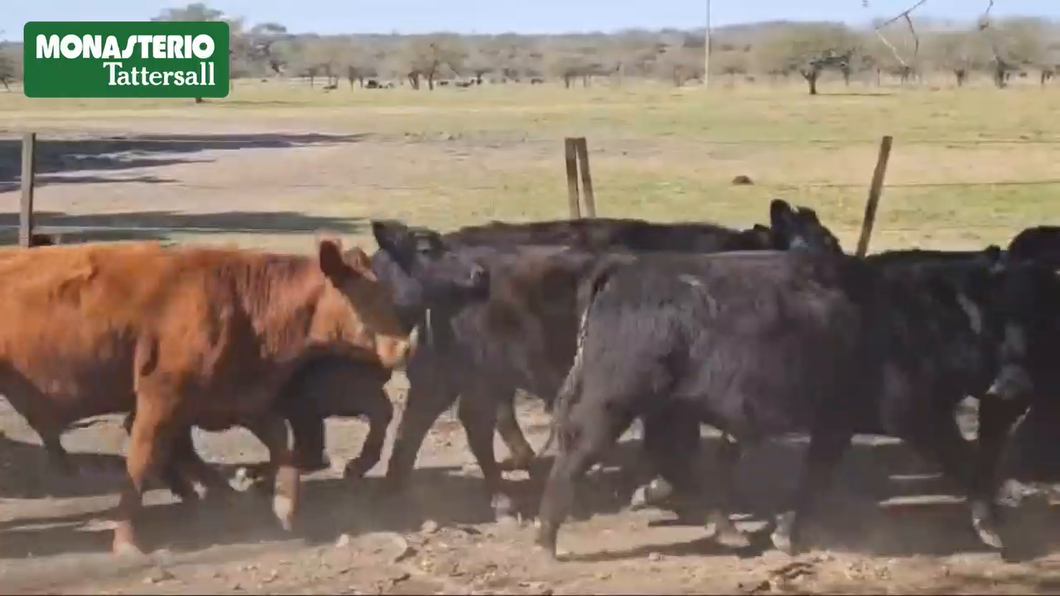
1028 373
1040 243
524 338
760 344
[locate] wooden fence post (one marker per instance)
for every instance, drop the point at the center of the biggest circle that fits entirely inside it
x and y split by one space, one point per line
570 152
587 178
875 190
25 227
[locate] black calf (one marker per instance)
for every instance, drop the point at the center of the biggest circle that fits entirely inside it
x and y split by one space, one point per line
769 343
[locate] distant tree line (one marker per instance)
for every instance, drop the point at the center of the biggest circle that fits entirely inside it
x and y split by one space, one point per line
773 51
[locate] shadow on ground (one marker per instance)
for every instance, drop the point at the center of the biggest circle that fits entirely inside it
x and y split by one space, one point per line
912 520
162 225
57 158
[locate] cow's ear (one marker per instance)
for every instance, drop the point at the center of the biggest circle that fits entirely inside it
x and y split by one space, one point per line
390 235
359 261
809 214
780 214
332 262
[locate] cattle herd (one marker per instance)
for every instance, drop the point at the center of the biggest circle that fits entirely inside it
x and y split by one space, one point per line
758 333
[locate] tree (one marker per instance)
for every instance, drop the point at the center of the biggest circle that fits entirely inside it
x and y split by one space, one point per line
1015 43
679 64
427 56
809 49
480 62
264 45
363 63
731 63
10 64
199 11
959 52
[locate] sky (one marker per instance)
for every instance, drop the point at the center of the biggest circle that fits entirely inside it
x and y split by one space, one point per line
497 16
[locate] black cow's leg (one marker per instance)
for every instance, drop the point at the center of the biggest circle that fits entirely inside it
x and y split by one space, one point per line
996 419
941 440
823 455
590 428
665 437
478 413
271 430
379 411
172 471
522 454
673 441
307 432
429 395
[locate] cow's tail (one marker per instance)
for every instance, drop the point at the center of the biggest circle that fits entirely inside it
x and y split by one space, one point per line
571 387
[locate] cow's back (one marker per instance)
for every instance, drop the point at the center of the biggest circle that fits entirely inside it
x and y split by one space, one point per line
72 317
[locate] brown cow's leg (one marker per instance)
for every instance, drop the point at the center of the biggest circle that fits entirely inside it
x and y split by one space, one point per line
271 430
522 454
379 411
149 445
184 467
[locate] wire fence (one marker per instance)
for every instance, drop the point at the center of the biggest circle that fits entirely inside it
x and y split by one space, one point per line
146 161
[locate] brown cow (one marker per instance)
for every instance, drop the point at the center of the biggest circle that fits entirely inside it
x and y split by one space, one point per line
187 336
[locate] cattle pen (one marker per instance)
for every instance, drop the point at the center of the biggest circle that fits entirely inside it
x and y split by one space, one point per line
275 163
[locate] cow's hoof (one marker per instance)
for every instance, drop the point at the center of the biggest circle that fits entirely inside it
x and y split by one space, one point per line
283 507
727 534
639 500
782 534
650 494
545 544
355 469
985 526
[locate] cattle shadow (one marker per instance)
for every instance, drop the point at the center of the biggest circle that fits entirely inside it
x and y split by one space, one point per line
164 225
330 507
851 517
884 501
446 495
26 473
55 158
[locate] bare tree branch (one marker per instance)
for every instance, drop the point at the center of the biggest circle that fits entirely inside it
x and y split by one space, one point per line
912 30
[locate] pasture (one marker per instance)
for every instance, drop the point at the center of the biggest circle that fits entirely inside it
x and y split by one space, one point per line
276 161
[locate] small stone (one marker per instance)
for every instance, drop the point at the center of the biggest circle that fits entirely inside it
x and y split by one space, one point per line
343 541
429 527
654 557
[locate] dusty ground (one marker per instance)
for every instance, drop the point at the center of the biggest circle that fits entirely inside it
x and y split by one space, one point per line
264 170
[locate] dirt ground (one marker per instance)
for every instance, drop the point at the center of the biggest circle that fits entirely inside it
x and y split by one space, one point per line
889 525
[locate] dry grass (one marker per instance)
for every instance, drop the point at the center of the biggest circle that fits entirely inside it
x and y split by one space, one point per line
969 166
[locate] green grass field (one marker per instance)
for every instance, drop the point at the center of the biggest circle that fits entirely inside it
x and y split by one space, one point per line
969 166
